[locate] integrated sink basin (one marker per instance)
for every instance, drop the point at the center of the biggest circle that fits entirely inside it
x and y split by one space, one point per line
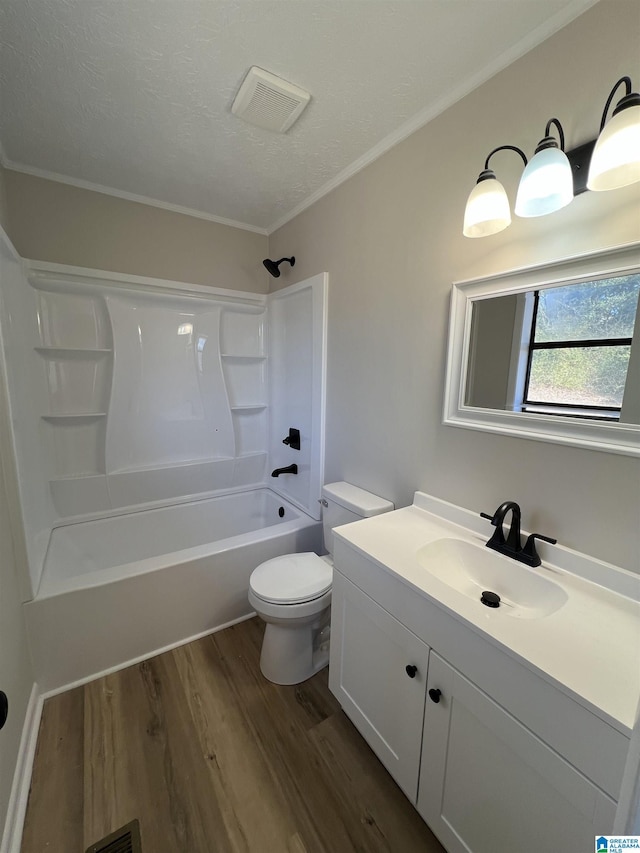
471 570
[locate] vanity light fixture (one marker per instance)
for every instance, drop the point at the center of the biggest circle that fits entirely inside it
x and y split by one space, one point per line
487 210
615 161
547 181
552 177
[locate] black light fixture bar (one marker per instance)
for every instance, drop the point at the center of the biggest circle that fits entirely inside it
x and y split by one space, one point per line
579 158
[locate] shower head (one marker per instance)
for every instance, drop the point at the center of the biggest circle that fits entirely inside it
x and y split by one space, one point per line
272 266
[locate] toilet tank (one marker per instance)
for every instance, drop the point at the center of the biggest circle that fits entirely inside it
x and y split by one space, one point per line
346 503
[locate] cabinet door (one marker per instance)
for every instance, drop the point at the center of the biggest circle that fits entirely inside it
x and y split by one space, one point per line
370 653
488 784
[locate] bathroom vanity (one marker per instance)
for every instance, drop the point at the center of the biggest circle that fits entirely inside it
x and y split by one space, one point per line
507 727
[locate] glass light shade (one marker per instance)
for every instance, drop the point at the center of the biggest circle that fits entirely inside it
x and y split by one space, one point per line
487 211
615 161
546 184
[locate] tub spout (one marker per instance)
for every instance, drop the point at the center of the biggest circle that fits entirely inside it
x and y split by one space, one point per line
290 469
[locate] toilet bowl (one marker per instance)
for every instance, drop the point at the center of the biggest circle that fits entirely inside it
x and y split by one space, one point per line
292 593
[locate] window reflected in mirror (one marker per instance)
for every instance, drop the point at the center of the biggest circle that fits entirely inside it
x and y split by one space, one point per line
566 350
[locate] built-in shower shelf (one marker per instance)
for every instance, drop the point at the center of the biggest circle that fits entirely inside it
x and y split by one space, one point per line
259 407
71 417
71 352
231 355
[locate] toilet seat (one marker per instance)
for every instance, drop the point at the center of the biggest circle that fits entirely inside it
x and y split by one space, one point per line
292 579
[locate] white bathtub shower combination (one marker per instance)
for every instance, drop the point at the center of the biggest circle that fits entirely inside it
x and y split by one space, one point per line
147 418
117 589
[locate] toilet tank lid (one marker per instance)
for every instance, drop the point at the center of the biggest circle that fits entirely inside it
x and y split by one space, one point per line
355 499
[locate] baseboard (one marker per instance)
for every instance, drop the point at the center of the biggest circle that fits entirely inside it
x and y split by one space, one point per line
87 679
14 823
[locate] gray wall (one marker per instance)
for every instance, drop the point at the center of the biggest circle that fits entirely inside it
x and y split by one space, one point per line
391 240
51 221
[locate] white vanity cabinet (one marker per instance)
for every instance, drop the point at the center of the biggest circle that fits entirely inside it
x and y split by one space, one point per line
494 756
487 783
378 672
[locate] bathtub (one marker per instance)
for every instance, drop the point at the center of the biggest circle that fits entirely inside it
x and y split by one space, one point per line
115 590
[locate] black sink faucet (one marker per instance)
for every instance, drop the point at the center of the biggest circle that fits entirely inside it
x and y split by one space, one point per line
513 542
512 545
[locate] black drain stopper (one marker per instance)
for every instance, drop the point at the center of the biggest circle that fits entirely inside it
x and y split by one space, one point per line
490 599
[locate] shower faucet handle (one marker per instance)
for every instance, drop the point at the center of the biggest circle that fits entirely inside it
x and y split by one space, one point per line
293 439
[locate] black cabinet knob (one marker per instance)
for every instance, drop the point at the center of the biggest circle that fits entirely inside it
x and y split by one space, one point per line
4 708
411 670
435 694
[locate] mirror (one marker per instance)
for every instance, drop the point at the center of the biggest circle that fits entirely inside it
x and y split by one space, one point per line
550 352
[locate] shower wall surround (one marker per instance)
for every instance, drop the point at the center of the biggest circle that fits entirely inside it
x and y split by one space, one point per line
143 396
127 393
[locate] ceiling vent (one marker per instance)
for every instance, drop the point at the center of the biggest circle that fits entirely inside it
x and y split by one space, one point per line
269 101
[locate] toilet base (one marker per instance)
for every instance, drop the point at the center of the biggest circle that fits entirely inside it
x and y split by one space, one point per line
288 656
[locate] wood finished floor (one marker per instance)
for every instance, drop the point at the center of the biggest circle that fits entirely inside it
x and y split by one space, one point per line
211 757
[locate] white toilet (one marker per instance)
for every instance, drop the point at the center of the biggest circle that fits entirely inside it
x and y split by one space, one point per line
292 594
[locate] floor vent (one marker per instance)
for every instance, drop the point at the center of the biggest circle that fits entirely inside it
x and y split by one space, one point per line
123 840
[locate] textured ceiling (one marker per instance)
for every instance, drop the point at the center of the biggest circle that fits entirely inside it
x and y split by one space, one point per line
135 95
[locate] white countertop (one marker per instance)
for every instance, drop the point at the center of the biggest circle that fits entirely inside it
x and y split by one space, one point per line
590 647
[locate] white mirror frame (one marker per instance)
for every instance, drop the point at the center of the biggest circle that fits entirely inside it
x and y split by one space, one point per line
593 435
